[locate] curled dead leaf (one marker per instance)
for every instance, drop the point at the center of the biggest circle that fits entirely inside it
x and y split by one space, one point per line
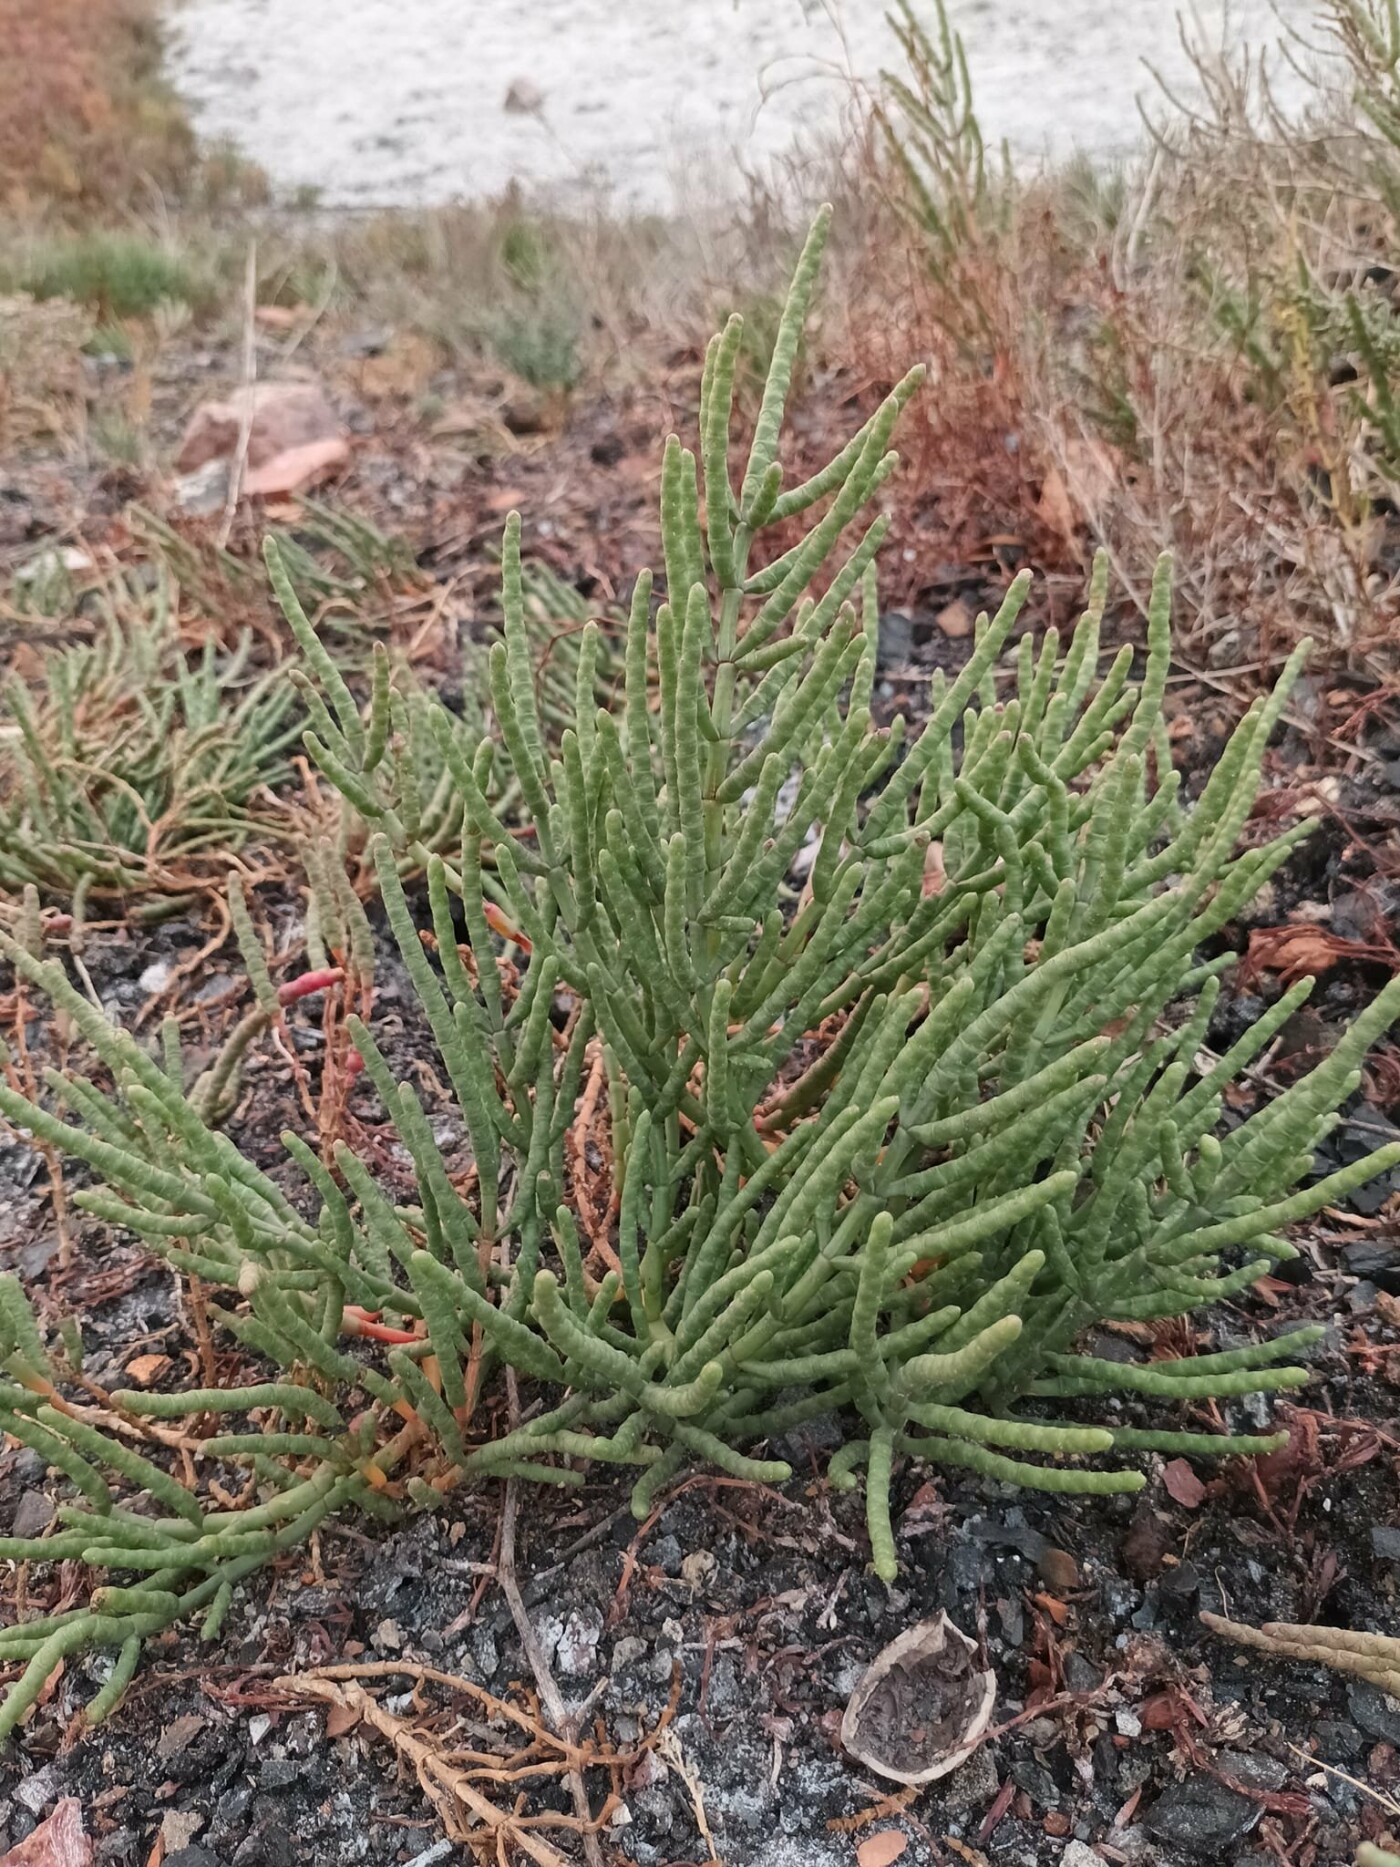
296 467
1300 949
340 1719
922 1706
1055 508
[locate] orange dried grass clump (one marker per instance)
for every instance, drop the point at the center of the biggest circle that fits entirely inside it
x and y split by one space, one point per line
83 115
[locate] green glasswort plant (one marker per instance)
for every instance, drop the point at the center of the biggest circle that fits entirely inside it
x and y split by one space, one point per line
1002 1133
399 777
132 767
928 122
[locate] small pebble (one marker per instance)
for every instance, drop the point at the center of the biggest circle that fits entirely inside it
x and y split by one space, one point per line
1058 1570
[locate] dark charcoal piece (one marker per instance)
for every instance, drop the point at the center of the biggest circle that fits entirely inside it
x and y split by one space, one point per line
1378 1262
1370 1709
1201 1815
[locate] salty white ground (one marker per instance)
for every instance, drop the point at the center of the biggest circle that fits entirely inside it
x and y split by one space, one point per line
403 101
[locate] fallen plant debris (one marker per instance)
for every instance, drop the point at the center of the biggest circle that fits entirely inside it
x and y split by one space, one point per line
1375 1657
1306 951
1110 414
453 1786
457 1778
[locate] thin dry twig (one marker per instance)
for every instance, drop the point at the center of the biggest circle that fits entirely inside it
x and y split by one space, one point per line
239 463
563 1720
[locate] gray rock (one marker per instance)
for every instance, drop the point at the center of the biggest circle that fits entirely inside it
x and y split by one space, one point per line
230 1813
278 1773
29 1466
33 1514
741 1805
896 643
665 1554
723 1696
269 1845
627 1652
1081 1675
36 1792
1201 1815
485 1651
971 1786
1253 1769
1385 1542
1376 1714
193 1856
1037 1782
1013 1625
1337 1739
576 1651
1076 1854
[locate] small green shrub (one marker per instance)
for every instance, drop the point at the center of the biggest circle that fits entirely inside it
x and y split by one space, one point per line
119 275
539 342
928 119
1001 1135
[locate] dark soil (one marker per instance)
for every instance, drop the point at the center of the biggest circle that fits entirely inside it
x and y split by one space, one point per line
1143 1734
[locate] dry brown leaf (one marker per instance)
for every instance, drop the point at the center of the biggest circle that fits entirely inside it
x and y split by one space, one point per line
340 1719
1092 472
279 317
1054 1607
1301 948
147 1368
1293 952
1183 1484
60 1840
179 1734
404 367
879 1850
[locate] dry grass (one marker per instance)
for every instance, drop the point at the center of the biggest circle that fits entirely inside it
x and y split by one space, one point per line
1163 359
88 124
82 111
